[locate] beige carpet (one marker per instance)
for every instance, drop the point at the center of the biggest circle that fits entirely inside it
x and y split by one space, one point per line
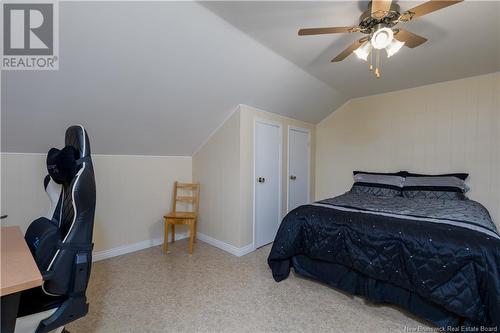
212 291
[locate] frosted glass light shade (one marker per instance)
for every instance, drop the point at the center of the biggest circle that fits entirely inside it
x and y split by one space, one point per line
363 51
394 47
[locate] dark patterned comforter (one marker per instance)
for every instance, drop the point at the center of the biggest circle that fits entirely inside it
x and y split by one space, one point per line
445 251
469 214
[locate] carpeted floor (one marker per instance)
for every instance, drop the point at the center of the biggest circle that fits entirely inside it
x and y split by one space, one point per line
212 291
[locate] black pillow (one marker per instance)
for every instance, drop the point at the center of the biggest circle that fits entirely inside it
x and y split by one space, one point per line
62 164
462 176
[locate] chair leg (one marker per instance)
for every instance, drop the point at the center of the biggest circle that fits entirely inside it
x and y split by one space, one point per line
195 229
165 236
173 232
191 237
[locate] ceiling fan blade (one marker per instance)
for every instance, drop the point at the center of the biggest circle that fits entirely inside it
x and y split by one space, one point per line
344 54
428 7
321 31
380 8
411 40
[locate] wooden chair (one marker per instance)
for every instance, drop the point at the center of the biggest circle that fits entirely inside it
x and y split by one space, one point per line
183 217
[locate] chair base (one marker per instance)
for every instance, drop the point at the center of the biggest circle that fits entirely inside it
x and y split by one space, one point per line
72 309
29 323
53 319
173 221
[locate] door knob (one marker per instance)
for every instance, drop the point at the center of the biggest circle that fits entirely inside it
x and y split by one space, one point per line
261 179
292 177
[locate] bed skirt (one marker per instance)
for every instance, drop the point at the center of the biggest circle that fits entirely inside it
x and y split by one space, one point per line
355 283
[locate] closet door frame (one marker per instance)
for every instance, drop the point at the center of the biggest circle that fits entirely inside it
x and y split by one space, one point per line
280 177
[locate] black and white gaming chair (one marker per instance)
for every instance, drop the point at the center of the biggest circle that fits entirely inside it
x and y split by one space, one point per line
61 243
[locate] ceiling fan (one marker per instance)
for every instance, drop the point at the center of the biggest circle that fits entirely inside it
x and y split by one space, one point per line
378 23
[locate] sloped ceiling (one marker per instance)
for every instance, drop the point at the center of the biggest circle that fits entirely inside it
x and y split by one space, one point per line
156 78
151 78
463 41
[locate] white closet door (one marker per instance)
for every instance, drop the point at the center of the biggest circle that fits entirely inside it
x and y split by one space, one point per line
299 157
267 181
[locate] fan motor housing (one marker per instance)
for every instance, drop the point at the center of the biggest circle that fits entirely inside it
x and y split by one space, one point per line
367 23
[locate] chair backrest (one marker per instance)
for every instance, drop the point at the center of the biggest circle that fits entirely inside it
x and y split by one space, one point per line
193 199
76 217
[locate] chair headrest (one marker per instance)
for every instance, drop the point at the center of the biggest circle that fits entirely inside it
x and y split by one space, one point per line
76 136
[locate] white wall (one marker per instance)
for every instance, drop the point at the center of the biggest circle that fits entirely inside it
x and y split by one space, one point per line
216 165
133 193
446 127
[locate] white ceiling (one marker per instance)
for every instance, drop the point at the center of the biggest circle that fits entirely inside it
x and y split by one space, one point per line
463 40
151 78
157 78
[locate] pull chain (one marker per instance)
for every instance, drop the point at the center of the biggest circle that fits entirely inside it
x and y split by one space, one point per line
377 65
371 61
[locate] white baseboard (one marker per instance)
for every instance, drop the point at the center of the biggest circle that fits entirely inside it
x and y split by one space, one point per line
118 251
237 251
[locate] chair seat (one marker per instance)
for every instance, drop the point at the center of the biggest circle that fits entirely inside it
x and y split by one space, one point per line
181 215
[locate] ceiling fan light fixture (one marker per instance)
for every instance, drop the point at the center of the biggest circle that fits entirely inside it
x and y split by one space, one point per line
382 38
363 51
377 24
394 47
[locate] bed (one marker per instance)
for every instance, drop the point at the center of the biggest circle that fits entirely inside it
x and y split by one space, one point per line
438 259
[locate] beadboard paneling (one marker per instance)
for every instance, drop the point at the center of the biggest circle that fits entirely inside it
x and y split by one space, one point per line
133 193
446 127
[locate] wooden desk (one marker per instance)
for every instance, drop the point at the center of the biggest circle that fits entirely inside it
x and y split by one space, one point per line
18 272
